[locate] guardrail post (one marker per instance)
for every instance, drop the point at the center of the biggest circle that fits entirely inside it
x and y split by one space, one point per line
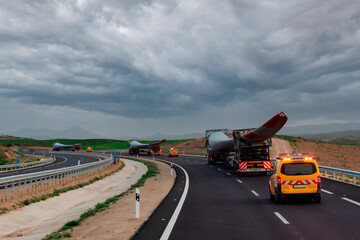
19 184
5 190
12 187
25 184
334 175
31 183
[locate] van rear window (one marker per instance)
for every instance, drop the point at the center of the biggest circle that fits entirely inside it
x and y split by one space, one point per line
298 168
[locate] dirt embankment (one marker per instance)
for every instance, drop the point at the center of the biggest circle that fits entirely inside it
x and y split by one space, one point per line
101 226
7 154
332 155
194 146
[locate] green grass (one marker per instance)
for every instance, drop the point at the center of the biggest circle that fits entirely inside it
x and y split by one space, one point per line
64 231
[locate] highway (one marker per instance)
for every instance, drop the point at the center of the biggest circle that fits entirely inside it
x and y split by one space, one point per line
221 205
62 160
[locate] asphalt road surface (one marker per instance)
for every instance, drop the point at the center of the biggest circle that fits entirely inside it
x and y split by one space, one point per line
62 160
221 205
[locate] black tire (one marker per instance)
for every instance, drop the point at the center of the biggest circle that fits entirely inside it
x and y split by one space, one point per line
272 197
277 198
317 199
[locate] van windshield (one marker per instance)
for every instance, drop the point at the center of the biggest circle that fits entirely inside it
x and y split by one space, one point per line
298 168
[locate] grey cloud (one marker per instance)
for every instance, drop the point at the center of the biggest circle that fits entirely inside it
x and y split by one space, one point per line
156 59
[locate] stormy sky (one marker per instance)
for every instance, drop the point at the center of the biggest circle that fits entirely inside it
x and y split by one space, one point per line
121 68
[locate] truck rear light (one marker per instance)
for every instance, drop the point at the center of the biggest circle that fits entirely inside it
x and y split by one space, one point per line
278 179
318 179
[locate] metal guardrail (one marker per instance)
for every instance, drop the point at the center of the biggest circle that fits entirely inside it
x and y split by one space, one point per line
11 167
53 175
342 172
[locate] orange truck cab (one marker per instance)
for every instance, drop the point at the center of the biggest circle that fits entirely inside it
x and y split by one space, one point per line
295 174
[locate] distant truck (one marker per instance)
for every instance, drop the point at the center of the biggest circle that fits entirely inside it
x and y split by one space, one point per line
248 150
152 148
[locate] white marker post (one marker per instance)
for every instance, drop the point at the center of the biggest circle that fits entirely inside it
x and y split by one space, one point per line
171 169
137 156
137 203
79 163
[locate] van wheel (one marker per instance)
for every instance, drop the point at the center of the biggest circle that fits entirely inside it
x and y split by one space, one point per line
318 199
271 196
277 197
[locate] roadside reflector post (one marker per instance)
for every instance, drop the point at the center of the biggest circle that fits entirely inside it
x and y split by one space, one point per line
153 157
334 175
325 173
171 169
137 203
354 178
18 161
114 158
79 163
137 156
343 177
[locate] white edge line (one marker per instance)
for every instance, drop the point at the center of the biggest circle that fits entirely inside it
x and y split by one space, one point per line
171 223
255 193
352 201
239 181
281 218
326 191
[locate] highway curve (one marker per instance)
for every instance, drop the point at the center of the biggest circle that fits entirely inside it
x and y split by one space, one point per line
62 160
221 205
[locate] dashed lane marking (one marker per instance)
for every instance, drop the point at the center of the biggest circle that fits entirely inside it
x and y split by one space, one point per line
281 218
228 174
255 193
326 191
352 201
239 181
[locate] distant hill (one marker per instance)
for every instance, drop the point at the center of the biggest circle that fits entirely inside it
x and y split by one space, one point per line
316 129
340 134
75 132
159 136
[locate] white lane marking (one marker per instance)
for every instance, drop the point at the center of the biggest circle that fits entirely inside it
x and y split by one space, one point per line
326 191
352 201
176 213
255 193
219 169
281 218
239 181
228 174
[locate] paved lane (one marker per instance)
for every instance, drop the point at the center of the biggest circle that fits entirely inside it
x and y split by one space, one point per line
221 205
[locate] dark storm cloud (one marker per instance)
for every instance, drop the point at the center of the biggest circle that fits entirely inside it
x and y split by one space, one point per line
160 58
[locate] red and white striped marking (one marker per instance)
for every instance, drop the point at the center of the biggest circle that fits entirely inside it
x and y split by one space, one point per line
267 165
242 166
299 182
